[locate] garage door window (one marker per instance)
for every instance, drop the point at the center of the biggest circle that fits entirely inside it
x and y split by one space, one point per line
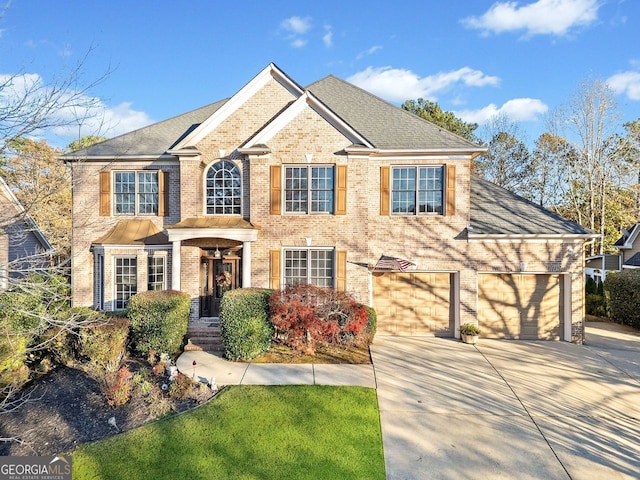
418 190
309 266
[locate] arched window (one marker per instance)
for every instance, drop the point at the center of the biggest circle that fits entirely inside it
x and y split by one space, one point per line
224 189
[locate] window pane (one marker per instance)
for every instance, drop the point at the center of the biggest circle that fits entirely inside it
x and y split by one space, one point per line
295 267
321 272
404 190
124 193
322 189
155 273
126 281
430 195
223 189
296 189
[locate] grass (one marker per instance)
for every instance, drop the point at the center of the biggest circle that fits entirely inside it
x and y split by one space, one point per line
250 432
324 354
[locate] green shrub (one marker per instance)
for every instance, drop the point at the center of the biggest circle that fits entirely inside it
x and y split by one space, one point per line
590 286
244 323
372 323
622 293
595 305
159 320
105 344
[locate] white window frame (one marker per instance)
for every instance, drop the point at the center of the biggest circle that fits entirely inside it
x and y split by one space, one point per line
417 190
309 276
310 190
99 279
116 307
136 193
205 189
152 258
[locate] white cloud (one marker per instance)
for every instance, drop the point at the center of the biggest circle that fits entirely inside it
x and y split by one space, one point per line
74 109
370 51
395 84
298 42
626 83
543 17
517 110
327 39
296 25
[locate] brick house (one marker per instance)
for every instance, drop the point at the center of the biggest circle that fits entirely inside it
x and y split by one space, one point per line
326 184
23 246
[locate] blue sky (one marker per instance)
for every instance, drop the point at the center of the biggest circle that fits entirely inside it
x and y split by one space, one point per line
477 58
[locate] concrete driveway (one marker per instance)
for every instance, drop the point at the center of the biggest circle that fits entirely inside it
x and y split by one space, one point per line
510 409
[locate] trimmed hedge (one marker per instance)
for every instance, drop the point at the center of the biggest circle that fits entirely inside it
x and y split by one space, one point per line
595 304
105 345
244 323
159 321
622 293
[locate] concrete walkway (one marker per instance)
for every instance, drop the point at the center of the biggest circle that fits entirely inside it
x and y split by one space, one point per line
211 365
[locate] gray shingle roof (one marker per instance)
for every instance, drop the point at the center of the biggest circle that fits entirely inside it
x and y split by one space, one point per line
496 211
626 235
634 261
154 139
383 124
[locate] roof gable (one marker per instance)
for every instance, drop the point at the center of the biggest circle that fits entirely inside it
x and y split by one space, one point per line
307 99
235 102
21 212
628 238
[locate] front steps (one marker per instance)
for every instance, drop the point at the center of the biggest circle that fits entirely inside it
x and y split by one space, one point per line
204 334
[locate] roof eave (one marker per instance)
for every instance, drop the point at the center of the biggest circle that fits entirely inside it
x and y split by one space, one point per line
532 236
101 158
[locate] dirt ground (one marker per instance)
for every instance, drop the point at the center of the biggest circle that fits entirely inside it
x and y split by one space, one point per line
66 409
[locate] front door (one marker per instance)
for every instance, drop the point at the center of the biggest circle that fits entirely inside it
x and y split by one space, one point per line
217 276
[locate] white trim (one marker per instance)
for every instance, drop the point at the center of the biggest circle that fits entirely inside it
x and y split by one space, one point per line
26 217
246 264
114 274
175 265
283 183
204 189
239 234
334 250
163 256
100 248
456 304
566 311
633 234
235 102
116 158
293 110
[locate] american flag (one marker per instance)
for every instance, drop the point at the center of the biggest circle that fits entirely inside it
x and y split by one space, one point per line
394 264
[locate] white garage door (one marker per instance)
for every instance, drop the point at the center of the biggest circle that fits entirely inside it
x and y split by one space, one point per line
413 303
520 306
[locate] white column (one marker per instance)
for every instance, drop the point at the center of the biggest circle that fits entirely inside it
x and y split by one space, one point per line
175 266
566 314
456 304
246 264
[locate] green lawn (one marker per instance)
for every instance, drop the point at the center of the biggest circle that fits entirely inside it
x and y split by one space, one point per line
250 432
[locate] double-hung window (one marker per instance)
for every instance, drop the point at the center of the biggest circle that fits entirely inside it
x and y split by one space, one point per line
136 193
418 190
309 266
309 189
126 280
156 272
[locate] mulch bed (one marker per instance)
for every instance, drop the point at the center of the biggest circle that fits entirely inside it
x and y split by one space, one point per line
66 409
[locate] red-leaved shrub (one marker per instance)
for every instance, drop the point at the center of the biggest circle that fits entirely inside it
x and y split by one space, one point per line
306 315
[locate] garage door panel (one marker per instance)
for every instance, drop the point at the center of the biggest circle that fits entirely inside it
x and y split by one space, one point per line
421 303
520 306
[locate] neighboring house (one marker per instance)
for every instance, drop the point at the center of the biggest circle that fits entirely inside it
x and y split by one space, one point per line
330 185
23 246
598 266
629 246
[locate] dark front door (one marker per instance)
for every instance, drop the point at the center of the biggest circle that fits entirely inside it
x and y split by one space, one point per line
217 276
